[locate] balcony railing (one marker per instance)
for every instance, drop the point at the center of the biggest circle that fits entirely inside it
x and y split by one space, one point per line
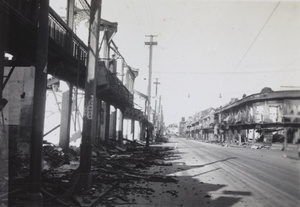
116 86
66 40
59 31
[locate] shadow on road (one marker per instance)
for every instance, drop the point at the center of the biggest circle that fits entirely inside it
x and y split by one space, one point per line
190 191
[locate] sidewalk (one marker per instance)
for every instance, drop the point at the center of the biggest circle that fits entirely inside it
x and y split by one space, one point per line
291 150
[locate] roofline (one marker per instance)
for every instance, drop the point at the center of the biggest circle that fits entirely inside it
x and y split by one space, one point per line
292 94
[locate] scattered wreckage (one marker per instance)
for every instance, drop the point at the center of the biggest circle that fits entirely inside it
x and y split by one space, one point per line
116 173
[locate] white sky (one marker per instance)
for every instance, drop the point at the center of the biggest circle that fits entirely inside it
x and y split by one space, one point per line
207 48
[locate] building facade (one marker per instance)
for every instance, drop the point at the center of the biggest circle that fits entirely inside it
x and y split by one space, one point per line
269 116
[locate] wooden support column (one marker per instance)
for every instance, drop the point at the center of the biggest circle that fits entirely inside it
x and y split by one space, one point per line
240 138
107 120
285 139
132 128
70 13
85 179
96 114
148 131
120 128
35 197
105 49
253 138
65 120
114 124
102 120
143 129
2 48
66 111
98 123
70 22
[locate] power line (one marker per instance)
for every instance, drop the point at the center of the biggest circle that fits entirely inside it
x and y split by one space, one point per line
136 16
251 45
150 15
219 72
275 73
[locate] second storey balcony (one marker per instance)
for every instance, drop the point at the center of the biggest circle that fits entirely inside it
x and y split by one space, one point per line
67 54
111 89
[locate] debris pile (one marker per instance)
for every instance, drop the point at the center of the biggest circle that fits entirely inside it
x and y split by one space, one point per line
116 173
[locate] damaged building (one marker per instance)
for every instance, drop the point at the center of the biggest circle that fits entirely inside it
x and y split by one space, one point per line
267 117
93 92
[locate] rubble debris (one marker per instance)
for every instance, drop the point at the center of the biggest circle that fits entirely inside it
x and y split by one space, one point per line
256 146
116 174
173 192
54 156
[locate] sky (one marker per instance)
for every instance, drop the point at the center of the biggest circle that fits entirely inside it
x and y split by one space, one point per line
208 51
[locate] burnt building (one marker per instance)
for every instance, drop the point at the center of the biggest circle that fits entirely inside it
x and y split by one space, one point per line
267 116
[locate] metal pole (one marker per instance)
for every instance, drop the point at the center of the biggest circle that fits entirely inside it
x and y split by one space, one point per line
39 100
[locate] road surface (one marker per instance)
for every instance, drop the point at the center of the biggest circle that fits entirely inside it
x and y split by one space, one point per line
214 175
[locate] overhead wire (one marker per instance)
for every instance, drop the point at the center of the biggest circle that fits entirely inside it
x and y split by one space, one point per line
275 73
149 19
252 43
150 16
221 73
136 16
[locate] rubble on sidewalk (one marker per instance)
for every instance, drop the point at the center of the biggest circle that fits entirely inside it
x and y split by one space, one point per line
116 173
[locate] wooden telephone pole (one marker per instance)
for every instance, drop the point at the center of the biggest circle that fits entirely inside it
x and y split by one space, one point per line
150 43
155 111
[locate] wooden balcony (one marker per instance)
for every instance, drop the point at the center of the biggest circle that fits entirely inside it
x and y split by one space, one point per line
67 54
111 90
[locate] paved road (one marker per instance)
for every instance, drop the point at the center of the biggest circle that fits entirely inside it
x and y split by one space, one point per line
213 175
241 176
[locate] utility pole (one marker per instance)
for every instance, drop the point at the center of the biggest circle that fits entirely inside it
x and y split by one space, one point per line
159 113
156 83
150 43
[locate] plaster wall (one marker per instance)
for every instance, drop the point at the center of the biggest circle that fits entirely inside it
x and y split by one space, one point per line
19 92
